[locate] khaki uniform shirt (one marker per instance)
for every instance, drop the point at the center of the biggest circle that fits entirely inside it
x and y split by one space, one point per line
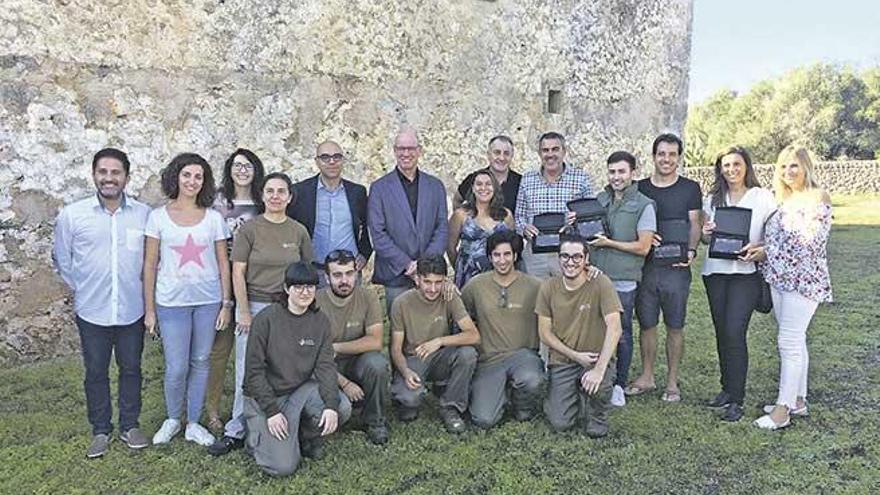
505 317
578 316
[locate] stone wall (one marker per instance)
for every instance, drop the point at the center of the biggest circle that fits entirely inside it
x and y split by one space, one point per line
843 177
162 77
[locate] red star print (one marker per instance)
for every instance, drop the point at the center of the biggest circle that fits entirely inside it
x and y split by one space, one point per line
190 251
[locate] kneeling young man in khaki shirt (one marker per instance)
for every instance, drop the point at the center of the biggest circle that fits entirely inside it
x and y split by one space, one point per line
356 322
423 347
502 302
579 320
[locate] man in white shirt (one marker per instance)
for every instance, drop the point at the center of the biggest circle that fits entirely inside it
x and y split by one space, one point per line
99 252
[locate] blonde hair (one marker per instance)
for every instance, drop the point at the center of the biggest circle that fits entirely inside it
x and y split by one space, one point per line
804 158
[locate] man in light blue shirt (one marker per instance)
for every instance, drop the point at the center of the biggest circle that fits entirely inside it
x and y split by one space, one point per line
332 209
99 252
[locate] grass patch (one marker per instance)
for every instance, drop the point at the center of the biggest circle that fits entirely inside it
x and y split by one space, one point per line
653 447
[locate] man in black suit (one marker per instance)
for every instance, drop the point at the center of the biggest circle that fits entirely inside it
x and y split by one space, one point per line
333 210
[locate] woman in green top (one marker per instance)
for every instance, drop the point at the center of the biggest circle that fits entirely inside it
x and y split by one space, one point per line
261 251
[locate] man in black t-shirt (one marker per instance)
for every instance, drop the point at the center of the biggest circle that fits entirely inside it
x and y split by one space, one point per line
500 155
665 288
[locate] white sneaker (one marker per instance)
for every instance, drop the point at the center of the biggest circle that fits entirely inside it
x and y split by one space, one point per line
170 427
618 398
198 434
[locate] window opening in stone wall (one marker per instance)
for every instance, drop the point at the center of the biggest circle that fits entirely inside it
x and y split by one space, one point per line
554 101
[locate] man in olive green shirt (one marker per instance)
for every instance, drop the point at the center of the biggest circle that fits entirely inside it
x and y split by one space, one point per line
423 347
502 302
579 321
356 321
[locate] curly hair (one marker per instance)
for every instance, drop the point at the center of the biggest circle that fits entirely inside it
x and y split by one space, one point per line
227 189
171 178
496 204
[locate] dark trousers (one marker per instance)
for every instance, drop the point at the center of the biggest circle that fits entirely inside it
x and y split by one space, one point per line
98 343
453 366
566 399
518 379
372 373
732 298
625 345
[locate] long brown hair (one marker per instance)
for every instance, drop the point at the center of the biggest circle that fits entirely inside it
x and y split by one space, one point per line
496 204
720 188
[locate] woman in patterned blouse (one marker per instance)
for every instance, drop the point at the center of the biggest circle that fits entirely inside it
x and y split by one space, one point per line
795 265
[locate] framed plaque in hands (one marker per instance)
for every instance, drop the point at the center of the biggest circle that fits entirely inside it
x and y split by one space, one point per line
548 225
673 246
591 217
731 233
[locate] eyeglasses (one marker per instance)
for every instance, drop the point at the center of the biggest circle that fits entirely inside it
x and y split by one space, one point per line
502 299
327 158
242 167
302 288
577 257
406 149
342 256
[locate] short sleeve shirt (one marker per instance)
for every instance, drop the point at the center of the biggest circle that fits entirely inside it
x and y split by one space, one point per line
350 317
506 320
578 316
188 272
268 248
675 201
421 320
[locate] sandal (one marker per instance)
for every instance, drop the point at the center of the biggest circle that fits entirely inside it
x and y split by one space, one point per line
671 396
634 390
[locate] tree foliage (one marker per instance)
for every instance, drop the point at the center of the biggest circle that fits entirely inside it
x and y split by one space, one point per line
833 110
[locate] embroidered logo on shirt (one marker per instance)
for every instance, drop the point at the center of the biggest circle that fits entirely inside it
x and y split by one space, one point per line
305 342
287 245
583 307
352 324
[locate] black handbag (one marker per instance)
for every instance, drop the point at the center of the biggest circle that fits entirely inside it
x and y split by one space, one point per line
765 299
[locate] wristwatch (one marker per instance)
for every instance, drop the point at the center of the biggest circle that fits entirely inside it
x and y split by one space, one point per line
692 250
228 303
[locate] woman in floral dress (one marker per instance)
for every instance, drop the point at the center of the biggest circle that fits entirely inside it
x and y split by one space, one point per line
482 214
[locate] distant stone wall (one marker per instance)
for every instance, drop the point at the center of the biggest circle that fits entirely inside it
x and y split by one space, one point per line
841 177
162 77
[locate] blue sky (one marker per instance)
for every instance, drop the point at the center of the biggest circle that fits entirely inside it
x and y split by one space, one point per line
738 43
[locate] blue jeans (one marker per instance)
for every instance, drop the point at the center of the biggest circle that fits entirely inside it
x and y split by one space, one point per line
187 336
126 342
625 345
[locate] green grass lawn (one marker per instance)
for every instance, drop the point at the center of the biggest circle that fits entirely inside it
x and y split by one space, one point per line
653 447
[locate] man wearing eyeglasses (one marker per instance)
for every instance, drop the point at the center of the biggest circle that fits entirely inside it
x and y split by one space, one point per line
333 209
356 321
502 302
407 218
579 321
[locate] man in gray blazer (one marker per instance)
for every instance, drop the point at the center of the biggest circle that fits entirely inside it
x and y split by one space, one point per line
406 216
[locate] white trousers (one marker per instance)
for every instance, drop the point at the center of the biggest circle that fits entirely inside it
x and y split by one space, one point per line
235 426
793 313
